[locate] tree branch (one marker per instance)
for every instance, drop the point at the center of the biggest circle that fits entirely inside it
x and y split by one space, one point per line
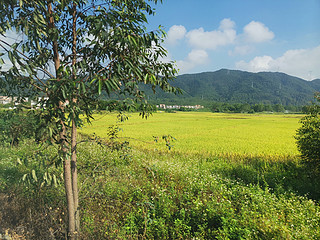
22 54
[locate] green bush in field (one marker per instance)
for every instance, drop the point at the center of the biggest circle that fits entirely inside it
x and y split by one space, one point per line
15 126
308 135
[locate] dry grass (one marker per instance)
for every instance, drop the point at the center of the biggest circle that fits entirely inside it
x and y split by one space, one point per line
22 218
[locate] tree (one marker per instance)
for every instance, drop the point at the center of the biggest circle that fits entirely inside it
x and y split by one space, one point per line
258 107
278 108
71 51
308 135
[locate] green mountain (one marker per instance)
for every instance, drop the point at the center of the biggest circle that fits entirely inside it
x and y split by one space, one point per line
235 86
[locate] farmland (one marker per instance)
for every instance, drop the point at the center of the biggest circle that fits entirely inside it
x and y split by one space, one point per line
228 176
214 133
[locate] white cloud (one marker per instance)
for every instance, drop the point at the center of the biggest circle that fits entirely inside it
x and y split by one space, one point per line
195 58
227 23
241 50
175 33
10 38
257 32
303 63
198 56
254 32
258 64
200 39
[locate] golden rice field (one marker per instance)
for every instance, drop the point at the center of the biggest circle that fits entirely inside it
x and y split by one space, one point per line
204 132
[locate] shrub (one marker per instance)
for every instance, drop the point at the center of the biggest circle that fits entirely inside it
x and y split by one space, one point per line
15 126
308 135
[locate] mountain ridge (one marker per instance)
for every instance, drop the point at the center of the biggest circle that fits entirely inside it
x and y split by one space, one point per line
237 86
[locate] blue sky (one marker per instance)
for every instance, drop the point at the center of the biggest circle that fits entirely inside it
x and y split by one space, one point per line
250 35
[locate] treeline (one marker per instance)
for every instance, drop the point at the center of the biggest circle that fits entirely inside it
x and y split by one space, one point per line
109 105
247 108
118 105
114 105
124 105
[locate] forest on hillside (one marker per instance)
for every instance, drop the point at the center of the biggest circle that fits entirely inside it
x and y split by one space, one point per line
233 86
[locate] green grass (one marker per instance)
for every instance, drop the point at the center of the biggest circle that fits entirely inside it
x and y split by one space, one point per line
146 193
158 195
214 133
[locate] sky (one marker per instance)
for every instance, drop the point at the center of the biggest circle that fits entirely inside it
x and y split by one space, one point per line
248 35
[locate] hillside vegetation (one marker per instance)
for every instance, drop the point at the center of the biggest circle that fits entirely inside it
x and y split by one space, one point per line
240 87
236 87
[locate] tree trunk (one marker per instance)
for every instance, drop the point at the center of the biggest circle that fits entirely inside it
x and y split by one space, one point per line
74 128
75 177
68 179
68 185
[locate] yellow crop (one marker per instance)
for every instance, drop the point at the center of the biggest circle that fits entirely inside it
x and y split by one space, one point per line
214 133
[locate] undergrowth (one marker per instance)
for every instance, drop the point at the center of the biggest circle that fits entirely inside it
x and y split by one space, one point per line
135 194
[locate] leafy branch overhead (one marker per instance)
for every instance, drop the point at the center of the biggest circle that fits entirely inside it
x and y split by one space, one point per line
113 52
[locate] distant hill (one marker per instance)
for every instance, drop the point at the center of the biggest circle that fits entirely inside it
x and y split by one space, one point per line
241 87
234 86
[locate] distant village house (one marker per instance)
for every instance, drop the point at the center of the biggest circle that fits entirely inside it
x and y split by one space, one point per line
34 103
6 99
164 106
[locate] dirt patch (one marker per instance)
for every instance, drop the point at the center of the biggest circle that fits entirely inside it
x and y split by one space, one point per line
10 218
23 219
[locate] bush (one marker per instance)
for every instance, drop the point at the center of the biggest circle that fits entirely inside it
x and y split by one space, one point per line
15 126
155 195
308 135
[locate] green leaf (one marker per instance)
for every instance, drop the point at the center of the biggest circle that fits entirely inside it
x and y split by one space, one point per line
154 79
54 180
45 176
146 78
110 49
131 39
34 176
38 46
10 55
83 87
27 67
24 177
99 86
63 93
50 132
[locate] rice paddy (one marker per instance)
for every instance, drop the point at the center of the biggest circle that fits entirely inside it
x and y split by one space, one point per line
240 180
213 133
